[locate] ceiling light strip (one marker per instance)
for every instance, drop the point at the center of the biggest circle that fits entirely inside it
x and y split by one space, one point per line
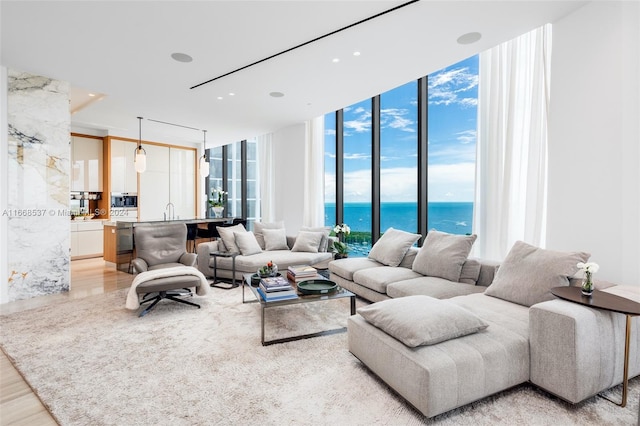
308 42
173 124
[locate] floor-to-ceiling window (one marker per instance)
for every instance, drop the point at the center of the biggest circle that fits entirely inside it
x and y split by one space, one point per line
233 169
374 150
453 99
357 174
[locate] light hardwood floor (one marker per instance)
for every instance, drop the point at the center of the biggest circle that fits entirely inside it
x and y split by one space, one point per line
18 404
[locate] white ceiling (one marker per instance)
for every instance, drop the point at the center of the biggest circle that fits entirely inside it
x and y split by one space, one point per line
121 51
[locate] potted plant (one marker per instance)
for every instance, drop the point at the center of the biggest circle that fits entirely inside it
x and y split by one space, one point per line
340 248
218 201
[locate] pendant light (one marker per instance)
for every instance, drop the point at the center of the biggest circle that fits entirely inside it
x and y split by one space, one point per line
204 163
140 160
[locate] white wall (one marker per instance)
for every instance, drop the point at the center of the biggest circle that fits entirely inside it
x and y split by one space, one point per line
288 148
594 138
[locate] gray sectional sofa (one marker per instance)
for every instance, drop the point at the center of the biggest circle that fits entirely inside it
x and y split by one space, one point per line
423 339
267 243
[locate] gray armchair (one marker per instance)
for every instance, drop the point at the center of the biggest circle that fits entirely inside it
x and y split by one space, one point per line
158 247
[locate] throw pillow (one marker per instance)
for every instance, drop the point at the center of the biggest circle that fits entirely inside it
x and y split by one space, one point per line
421 320
258 227
247 243
307 241
275 239
227 237
443 255
470 272
528 273
326 230
392 246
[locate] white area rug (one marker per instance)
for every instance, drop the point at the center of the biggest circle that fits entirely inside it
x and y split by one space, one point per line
92 362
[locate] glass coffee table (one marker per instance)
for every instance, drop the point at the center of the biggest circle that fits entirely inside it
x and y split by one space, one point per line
339 293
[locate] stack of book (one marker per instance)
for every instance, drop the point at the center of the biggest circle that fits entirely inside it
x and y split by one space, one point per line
276 288
299 273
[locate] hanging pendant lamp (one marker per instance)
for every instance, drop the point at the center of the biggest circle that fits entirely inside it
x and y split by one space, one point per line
204 163
140 160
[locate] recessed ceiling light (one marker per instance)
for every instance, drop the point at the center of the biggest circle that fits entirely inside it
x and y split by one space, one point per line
181 57
335 60
356 53
231 94
276 94
469 38
92 94
220 98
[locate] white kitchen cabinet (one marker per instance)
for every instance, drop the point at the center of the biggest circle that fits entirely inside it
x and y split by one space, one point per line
123 173
86 160
169 178
87 239
154 183
182 182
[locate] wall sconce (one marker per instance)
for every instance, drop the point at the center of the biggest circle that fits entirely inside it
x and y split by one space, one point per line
204 163
140 160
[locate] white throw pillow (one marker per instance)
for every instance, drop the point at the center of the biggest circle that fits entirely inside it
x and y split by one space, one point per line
326 230
528 273
392 246
275 239
442 255
421 320
227 237
308 241
247 243
258 227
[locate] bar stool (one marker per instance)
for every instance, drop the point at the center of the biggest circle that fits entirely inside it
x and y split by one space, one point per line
192 234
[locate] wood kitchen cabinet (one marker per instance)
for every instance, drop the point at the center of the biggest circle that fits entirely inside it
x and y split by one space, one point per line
86 163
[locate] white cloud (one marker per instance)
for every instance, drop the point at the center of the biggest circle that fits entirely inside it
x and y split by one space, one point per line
330 132
466 136
447 87
356 156
395 119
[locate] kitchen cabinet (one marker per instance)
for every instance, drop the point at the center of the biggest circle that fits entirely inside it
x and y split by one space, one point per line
87 164
123 173
169 178
86 239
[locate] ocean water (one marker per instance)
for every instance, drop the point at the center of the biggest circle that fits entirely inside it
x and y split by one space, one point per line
453 218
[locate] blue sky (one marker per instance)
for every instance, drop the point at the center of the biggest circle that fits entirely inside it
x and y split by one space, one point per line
452 133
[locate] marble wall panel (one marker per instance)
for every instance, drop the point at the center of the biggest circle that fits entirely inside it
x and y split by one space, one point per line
38 179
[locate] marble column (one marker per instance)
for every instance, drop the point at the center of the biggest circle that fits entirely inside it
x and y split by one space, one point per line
38 227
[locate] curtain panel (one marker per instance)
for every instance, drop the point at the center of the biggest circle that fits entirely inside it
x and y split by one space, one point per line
511 164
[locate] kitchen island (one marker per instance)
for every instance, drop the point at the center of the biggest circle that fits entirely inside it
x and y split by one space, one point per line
119 245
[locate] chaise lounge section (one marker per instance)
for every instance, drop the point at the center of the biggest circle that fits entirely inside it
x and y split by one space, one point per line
418 339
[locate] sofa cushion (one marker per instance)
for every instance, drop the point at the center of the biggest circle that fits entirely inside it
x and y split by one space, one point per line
282 258
308 241
345 268
443 255
275 239
228 237
392 246
378 278
528 273
470 272
326 230
431 286
247 243
258 227
421 320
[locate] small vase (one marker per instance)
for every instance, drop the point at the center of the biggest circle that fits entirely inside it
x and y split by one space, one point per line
217 211
340 256
587 285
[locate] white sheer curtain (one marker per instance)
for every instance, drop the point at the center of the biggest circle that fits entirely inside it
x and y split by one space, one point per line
511 164
313 206
266 165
